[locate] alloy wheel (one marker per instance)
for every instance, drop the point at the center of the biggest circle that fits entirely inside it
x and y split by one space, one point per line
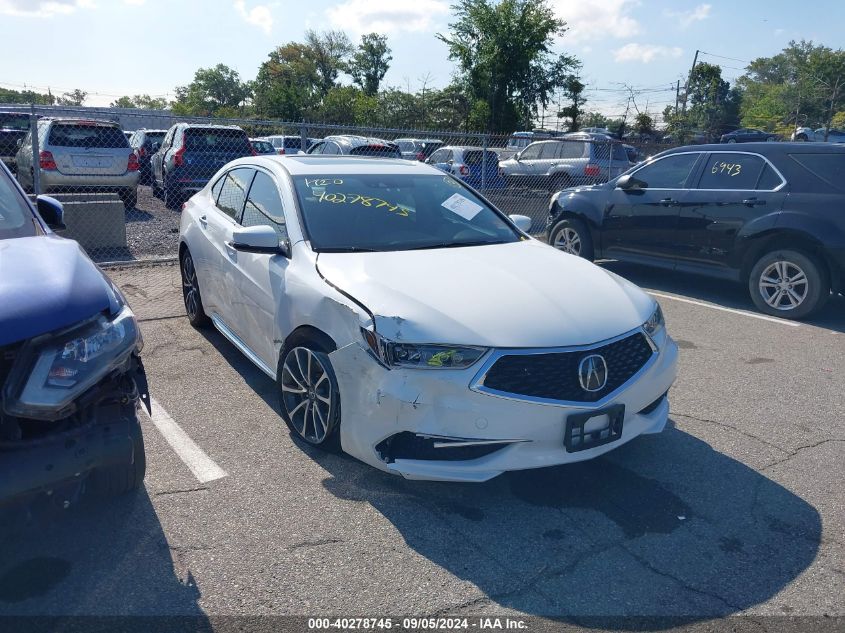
190 288
568 241
307 394
783 285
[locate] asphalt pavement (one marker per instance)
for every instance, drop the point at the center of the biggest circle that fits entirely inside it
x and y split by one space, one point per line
737 508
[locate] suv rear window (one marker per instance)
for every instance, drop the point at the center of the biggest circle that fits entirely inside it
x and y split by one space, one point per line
14 121
87 135
376 150
476 157
828 167
216 140
600 151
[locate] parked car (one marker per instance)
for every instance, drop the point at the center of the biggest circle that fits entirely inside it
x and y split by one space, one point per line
467 163
579 158
633 154
262 146
809 134
691 137
128 134
80 155
190 154
70 371
768 216
380 294
145 143
597 130
13 128
418 148
356 146
748 135
288 144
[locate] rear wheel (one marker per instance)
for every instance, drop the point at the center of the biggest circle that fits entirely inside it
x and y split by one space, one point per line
801 137
731 140
172 195
309 396
154 185
788 284
191 292
572 236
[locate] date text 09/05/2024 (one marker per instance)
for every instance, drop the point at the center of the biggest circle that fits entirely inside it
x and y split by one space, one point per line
411 623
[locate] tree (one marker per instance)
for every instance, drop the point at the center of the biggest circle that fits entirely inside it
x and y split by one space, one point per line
574 90
286 84
73 98
8 95
503 51
714 105
145 102
370 63
643 123
329 52
212 90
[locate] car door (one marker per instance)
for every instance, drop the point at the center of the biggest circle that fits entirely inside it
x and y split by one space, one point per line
641 223
218 223
733 189
529 162
260 277
158 157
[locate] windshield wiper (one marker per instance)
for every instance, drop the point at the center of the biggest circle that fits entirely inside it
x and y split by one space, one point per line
347 249
454 245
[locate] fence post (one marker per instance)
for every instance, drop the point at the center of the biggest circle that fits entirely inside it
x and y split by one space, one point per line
484 144
609 158
36 159
303 137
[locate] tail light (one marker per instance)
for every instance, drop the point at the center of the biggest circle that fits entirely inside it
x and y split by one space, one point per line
593 171
420 156
141 152
281 150
252 150
46 160
179 157
132 165
464 170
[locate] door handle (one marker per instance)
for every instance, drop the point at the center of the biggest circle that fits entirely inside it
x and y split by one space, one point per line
753 202
204 221
669 202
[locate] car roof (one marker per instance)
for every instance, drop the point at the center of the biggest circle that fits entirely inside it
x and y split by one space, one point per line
766 149
465 148
84 121
322 165
210 126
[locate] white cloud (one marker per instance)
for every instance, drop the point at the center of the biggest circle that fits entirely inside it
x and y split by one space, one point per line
597 19
259 15
644 53
686 18
135 2
385 16
42 8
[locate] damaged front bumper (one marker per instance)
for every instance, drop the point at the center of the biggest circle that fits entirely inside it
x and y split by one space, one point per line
38 458
432 425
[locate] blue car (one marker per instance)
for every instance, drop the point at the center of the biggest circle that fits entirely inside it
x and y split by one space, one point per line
468 164
70 371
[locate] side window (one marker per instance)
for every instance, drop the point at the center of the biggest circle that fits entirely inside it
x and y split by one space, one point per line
667 173
768 179
531 152
438 157
571 149
233 191
317 149
331 148
550 150
278 142
264 205
217 186
731 171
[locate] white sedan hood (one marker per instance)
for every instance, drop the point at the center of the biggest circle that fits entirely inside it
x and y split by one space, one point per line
522 294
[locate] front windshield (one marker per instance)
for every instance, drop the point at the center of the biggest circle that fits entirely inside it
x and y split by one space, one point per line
16 220
392 212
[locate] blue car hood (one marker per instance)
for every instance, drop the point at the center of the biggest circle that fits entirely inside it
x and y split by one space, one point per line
47 283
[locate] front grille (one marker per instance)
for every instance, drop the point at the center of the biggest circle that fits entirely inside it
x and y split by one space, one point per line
554 375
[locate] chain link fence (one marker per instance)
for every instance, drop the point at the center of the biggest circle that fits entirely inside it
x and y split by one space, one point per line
122 175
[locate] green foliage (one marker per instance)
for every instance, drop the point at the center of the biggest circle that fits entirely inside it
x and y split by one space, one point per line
212 90
286 85
503 51
145 102
25 96
370 63
329 52
643 123
73 98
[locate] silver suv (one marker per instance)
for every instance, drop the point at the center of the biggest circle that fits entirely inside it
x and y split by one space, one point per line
80 155
576 159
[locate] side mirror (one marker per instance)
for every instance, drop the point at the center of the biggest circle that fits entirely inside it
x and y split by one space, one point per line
258 239
19 143
51 211
523 222
628 183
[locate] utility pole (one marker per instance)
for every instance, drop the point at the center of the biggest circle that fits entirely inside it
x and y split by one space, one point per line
677 95
689 78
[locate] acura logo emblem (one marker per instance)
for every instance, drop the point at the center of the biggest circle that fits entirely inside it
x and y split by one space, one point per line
592 372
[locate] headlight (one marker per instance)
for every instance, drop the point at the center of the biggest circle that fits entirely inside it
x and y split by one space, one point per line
49 374
419 355
655 322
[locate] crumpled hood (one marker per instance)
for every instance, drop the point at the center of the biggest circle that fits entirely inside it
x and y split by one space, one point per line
47 283
523 294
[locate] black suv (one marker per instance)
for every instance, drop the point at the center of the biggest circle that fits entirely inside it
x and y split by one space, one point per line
13 127
146 143
769 215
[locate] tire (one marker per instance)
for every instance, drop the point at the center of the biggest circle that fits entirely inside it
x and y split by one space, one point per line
559 182
731 140
191 292
788 284
129 197
771 139
119 479
572 236
802 138
154 185
316 397
172 196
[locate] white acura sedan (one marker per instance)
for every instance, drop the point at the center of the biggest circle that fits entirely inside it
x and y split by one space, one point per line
411 324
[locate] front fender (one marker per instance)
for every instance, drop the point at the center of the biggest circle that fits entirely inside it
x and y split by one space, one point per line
571 202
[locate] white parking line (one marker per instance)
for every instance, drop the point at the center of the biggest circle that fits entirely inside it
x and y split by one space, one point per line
201 465
762 317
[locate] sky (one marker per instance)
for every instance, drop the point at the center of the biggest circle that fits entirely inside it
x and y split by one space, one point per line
111 48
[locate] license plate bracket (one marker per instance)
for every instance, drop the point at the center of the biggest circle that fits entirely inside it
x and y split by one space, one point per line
580 435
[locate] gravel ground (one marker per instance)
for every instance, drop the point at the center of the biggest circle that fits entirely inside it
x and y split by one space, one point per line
152 230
